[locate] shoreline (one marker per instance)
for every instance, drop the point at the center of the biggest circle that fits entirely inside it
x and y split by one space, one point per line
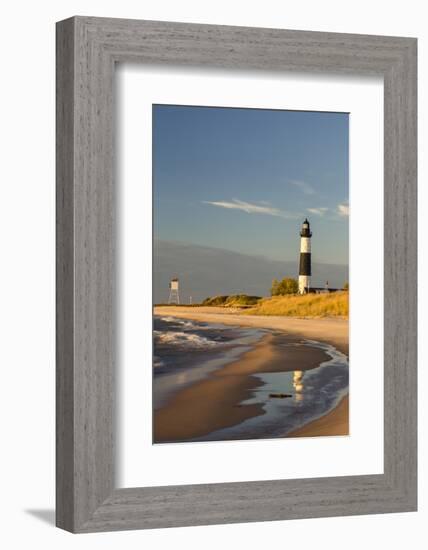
330 330
335 422
218 398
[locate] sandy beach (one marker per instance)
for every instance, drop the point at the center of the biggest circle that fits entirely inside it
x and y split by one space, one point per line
335 422
216 402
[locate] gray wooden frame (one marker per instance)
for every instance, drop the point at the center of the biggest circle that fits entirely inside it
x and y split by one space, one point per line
87 50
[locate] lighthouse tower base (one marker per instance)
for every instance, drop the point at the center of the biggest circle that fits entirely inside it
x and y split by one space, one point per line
304 281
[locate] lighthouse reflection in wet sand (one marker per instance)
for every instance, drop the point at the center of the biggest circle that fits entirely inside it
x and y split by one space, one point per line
305 258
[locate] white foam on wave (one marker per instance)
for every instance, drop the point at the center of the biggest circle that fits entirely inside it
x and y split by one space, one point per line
157 362
177 321
184 339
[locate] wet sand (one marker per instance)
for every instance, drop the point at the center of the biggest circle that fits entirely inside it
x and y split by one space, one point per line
336 422
215 403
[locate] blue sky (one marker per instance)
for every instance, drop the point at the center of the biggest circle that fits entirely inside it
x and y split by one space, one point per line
244 180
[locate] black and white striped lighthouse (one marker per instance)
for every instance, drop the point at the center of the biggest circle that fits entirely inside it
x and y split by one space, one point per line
305 258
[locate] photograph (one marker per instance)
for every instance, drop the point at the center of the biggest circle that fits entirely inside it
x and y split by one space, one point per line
250 274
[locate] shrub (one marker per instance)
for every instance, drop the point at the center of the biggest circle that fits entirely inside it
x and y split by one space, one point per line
288 285
215 301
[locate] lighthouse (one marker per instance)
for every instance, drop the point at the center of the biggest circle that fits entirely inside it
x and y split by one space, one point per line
305 258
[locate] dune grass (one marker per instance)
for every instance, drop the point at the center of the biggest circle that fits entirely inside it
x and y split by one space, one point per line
235 300
335 304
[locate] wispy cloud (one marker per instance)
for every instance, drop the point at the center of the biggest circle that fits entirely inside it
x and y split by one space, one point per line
252 208
343 209
318 211
304 187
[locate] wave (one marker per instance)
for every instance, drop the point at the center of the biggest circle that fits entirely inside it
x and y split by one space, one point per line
184 339
176 321
157 362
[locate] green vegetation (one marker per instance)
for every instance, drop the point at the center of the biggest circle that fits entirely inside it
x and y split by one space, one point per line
236 300
288 285
333 304
328 304
215 301
242 300
346 286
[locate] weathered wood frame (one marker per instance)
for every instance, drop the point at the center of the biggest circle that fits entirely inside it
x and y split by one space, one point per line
87 50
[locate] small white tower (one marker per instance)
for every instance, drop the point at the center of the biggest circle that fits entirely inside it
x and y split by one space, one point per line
305 258
174 296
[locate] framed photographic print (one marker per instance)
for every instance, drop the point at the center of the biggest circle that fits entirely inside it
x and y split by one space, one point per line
220 371
236 274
